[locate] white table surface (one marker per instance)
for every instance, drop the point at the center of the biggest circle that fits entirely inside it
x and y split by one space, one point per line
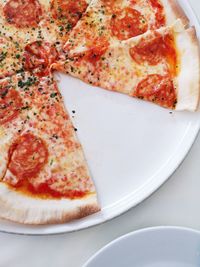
177 203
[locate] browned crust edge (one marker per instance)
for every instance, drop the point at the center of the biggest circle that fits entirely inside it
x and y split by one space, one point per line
179 12
20 216
81 212
194 39
189 94
193 35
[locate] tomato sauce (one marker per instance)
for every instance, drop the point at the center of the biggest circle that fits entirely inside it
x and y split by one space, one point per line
44 191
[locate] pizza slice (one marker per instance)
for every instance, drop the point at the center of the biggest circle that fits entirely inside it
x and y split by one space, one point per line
161 66
47 179
108 21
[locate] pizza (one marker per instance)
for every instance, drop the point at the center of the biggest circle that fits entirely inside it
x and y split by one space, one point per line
43 158
108 21
142 48
151 67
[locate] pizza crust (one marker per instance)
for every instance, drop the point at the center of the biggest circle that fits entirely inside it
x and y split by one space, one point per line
174 11
23 209
188 80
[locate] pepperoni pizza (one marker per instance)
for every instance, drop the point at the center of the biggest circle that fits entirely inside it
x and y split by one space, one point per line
128 46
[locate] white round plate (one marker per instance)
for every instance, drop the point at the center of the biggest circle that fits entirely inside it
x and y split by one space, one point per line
132 147
152 247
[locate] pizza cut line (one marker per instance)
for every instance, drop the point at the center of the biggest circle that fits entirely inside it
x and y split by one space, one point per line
143 48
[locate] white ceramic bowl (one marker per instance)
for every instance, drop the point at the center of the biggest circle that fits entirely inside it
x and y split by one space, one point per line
151 247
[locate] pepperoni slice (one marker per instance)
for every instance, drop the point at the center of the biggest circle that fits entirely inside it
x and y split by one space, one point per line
154 50
28 155
128 23
151 51
69 11
158 89
23 13
10 104
39 56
